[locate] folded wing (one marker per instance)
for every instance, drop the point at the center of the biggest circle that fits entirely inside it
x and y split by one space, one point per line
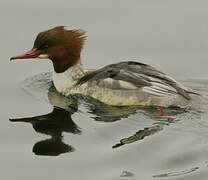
134 75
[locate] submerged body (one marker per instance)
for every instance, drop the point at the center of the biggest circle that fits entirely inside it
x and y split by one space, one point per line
121 84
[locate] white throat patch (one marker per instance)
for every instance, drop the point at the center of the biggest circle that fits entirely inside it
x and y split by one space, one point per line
65 81
43 56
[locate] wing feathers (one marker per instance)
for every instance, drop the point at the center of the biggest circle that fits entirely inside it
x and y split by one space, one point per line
131 75
156 91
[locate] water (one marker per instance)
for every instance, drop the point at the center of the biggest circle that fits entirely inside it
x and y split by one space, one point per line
81 134
79 138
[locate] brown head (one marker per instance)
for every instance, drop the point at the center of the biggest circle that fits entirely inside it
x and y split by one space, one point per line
63 47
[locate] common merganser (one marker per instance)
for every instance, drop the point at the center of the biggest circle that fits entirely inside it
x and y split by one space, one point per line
121 84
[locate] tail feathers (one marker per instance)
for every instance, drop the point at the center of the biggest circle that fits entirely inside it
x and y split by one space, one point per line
186 94
192 92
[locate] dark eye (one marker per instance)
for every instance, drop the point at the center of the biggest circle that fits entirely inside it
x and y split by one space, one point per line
44 46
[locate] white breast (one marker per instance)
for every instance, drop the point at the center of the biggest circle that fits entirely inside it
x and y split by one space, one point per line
65 81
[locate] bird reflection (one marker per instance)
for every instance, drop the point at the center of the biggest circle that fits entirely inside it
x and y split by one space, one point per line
60 120
139 135
152 129
54 124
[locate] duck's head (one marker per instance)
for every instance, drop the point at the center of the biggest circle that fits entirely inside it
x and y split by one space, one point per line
61 46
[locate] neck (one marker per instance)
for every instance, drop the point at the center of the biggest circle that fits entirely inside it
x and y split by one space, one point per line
64 81
64 64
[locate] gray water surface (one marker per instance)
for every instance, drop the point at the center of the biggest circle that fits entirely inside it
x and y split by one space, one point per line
80 137
93 141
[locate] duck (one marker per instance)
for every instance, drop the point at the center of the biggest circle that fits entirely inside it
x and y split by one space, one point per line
126 83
